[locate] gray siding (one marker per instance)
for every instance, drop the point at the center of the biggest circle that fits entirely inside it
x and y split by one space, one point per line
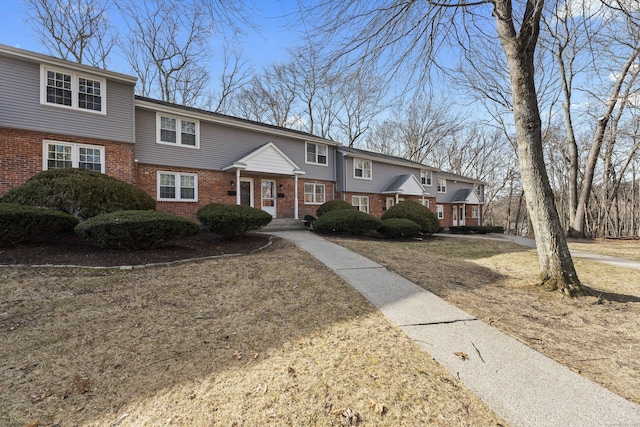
452 189
20 106
220 146
382 175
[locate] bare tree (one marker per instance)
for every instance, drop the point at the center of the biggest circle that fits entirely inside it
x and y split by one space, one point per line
236 74
75 30
167 49
409 35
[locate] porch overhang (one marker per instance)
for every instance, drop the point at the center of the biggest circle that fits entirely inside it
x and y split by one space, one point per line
267 159
406 185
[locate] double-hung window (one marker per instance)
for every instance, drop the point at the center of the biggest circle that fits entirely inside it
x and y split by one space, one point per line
61 155
442 185
361 203
475 211
73 90
440 211
361 169
175 186
425 177
174 130
314 194
316 154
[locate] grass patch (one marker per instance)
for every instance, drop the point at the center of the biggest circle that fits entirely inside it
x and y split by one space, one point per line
270 338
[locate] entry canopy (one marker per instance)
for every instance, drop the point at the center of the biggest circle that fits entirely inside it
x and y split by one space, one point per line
267 159
407 185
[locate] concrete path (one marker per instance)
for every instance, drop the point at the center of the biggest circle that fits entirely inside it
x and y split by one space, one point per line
518 383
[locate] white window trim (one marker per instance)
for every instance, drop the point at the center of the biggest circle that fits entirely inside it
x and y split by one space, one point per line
440 190
316 162
177 175
370 177
359 204
315 202
428 179
178 142
475 211
75 153
75 76
440 211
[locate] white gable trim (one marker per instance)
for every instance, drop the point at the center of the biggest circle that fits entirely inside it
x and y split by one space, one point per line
267 159
411 187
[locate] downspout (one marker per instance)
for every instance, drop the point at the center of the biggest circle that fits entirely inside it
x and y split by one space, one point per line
238 186
295 197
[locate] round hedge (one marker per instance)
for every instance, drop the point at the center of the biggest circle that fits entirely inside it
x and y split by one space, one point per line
417 213
232 220
21 223
135 229
347 221
399 228
79 192
333 205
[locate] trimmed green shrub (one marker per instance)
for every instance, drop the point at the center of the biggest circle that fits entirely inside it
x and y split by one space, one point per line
21 223
476 229
417 213
232 220
310 218
135 229
347 221
333 205
399 228
460 229
79 192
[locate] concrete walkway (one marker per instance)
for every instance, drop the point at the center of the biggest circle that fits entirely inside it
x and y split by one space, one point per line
519 384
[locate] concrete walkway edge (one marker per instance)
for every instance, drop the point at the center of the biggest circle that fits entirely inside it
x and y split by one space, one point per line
521 385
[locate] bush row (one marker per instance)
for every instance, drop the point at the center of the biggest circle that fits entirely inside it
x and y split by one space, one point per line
476 229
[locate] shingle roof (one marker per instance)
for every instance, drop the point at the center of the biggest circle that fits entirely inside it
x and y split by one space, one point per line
461 195
386 157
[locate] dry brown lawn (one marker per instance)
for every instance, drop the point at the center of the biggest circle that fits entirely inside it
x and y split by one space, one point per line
622 248
493 281
267 339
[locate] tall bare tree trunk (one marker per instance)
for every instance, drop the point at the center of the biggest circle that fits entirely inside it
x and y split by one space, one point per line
556 265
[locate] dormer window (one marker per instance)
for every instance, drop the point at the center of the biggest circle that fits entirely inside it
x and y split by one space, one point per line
73 90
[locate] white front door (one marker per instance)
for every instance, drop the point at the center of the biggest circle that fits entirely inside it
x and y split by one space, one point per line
269 196
462 221
455 216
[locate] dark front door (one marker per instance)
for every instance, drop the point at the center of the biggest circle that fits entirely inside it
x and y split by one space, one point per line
245 193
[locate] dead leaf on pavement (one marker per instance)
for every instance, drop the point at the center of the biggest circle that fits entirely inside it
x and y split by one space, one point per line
462 355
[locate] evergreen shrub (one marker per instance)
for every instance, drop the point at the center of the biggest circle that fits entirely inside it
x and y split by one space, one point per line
79 192
417 213
347 221
399 228
333 205
232 220
136 229
20 223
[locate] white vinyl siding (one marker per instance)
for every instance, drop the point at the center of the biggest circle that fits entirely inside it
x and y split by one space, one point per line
314 194
73 90
442 185
362 169
174 130
440 211
361 203
61 155
426 177
174 186
316 154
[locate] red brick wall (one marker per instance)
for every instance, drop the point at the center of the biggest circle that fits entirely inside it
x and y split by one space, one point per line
378 202
21 156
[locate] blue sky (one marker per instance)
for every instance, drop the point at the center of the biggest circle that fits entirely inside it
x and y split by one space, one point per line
261 47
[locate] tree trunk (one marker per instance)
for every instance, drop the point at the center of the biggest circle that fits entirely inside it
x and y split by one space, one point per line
556 265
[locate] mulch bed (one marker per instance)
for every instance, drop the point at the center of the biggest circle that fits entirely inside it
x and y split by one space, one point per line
72 250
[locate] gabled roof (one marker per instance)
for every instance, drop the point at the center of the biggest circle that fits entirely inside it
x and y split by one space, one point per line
267 159
39 58
466 195
455 177
224 119
355 152
406 184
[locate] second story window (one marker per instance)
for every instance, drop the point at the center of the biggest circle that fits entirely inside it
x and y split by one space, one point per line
425 177
442 185
316 154
73 90
178 131
362 169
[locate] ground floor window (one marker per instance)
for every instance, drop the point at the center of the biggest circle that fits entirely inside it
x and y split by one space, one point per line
440 211
361 203
475 211
314 194
61 155
175 186
425 202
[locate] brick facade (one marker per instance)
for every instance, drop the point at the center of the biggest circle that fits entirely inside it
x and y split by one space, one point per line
21 154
